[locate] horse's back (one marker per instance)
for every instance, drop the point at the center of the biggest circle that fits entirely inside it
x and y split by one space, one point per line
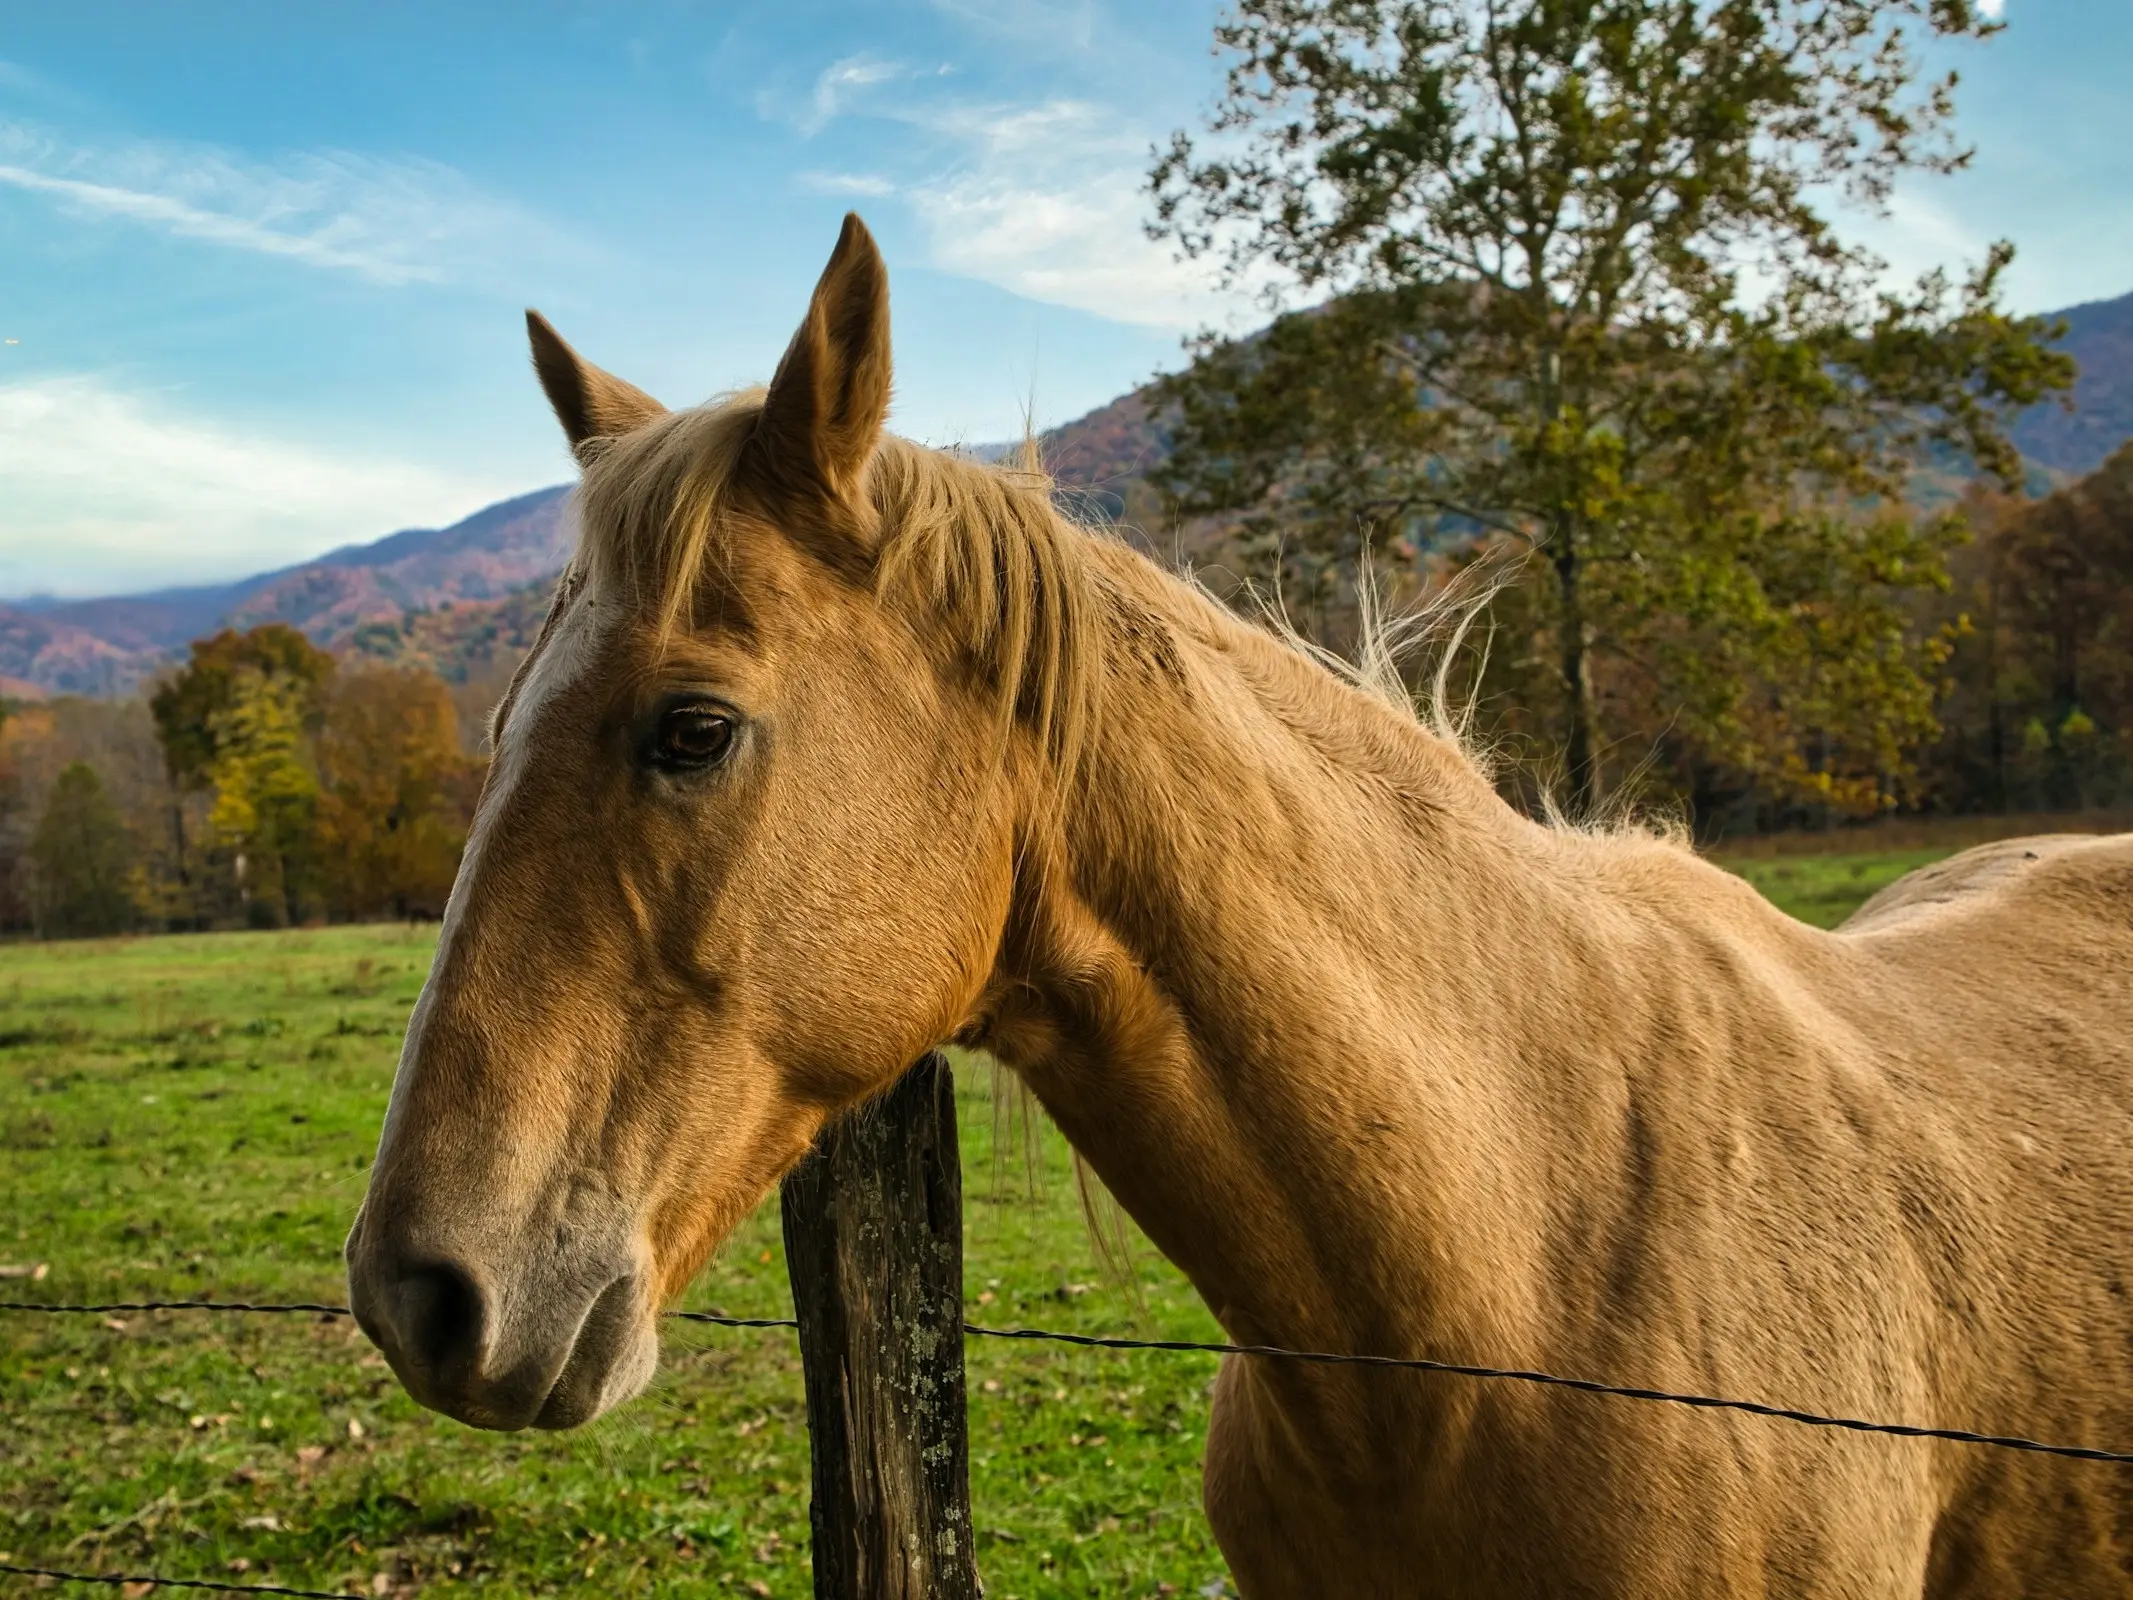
2082 867
2006 987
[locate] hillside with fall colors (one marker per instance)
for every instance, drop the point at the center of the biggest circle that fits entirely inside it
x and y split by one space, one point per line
108 646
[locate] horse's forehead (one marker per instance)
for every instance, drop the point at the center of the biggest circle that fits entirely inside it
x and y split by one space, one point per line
566 658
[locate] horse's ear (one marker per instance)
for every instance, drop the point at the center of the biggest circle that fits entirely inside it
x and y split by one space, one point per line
823 415
590 404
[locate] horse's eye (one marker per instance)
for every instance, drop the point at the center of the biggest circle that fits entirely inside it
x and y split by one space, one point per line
692 737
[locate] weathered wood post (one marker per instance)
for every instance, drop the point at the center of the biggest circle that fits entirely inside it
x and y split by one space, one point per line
874 1243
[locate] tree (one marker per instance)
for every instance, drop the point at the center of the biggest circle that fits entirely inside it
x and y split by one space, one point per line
1576 294
266 793
397 792
2039 701
188 704
84 859
193 707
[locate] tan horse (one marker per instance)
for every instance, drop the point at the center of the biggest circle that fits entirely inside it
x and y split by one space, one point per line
834 748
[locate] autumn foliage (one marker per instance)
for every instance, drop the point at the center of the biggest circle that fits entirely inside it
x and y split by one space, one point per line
395 792
263 783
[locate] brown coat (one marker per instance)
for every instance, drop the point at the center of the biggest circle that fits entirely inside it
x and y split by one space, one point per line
836 748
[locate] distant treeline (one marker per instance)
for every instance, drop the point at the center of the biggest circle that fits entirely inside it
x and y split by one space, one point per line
1992 677
263 784
2036 697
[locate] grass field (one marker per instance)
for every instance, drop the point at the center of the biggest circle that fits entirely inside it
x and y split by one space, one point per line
191 1116
1824 890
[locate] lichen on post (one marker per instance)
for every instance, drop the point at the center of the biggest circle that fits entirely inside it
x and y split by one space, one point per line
874 1244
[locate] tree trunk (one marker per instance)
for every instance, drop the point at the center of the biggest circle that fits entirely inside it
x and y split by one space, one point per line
1581 760
874 1244
190 912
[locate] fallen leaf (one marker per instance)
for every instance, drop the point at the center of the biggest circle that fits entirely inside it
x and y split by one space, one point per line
114 1324
355 1428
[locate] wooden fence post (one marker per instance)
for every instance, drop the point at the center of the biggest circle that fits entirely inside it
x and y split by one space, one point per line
874 1244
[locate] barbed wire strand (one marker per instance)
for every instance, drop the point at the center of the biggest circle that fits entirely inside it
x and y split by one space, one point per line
116 1579
1455 1369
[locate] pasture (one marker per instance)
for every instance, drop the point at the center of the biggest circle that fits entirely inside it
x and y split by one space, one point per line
190 1116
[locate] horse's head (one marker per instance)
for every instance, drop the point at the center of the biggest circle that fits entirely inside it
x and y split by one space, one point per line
745 851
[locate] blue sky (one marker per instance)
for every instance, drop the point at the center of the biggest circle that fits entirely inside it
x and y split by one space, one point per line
261 265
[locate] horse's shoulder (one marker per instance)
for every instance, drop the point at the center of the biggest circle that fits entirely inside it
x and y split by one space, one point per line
2094 872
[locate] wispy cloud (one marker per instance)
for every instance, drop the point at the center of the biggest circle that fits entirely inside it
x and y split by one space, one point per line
111 490
1051 23
389 221
865 184
839 87
843 79
1049 201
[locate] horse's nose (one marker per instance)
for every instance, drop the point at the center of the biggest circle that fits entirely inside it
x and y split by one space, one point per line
432 1318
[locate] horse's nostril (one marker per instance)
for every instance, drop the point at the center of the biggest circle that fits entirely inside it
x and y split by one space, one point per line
437 1312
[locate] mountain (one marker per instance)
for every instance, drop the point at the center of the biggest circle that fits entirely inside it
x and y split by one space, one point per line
108 646
463 599
2099 335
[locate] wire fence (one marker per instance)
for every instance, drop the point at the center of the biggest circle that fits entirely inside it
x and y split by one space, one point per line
149 1580
144 1581
1091 1341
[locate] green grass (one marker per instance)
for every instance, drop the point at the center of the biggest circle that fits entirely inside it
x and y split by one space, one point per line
192 1116
1824 890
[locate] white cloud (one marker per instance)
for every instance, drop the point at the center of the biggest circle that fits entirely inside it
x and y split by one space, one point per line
866 185
841 80
839 87
1049 201
1994 9
392 222
1046 23
108 491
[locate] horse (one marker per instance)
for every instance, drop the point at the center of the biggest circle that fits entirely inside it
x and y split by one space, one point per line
834 748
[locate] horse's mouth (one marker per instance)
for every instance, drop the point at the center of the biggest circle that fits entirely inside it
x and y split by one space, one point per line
610 1361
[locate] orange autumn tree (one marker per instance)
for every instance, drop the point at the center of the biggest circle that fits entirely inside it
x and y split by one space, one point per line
396 792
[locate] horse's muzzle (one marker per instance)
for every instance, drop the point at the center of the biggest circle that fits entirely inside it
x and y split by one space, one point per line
548 1347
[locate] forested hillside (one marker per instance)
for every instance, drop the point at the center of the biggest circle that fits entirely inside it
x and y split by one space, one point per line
108 646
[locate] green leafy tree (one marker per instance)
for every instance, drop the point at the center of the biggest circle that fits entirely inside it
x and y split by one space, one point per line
266 794
192 710
1577 297
84 860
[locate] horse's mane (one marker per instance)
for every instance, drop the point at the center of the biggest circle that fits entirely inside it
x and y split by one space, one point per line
974 555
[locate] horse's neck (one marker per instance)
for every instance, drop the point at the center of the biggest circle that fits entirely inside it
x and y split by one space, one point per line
1280 993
